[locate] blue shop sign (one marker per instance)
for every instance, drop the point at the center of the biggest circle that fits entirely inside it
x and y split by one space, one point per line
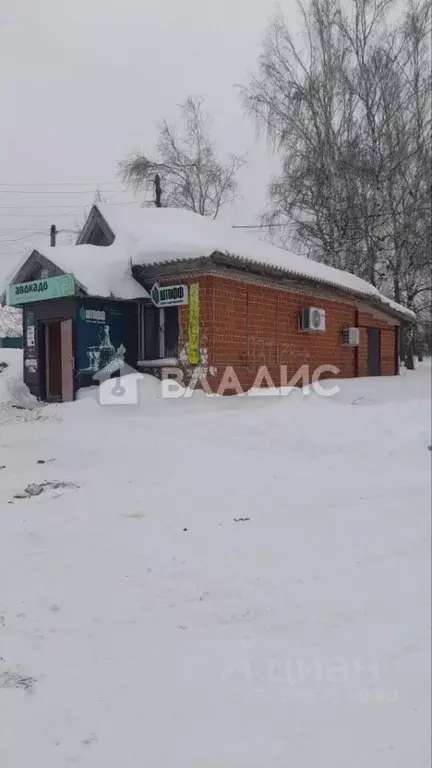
101 338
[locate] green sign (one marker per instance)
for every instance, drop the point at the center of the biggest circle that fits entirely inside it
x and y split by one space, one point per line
169 295
40 290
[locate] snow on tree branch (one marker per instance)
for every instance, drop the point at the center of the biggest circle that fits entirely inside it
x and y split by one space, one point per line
191 174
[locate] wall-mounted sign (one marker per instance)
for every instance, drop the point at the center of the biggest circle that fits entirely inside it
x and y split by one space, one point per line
169 295
31 364
40 290
194 323
30 324
101 338
30 336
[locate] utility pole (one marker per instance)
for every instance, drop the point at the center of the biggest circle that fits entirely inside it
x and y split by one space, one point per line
98 197
158 191
53 235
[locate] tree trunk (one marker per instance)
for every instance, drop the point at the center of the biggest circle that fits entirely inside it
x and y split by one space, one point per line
409 360
418 344
408 347
402 344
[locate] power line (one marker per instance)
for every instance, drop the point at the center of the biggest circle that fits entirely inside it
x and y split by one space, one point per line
17 239
79 206
58 191
37 215
7 230
58 183
36 207
384 214
258 226
50 215
21 229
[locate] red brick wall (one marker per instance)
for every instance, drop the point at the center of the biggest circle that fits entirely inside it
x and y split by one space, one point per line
246 326
258 326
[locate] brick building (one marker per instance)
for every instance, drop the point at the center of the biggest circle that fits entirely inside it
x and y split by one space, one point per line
184 292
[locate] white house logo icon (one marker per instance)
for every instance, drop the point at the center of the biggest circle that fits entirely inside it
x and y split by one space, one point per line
121 389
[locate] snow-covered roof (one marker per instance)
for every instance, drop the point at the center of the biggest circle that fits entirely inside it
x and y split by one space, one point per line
10 322
101 271
9 266
161 236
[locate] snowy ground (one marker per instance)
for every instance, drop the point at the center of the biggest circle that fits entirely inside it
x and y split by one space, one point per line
140 625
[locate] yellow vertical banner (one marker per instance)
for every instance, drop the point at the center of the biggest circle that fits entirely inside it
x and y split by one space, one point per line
194 320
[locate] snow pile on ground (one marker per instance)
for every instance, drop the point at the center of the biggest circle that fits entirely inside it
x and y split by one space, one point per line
171 234
218 582
13 391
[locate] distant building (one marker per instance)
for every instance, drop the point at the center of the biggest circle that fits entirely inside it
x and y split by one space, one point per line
157 288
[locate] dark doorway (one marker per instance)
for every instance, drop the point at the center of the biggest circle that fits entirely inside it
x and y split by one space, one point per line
374 352
53 361
67 360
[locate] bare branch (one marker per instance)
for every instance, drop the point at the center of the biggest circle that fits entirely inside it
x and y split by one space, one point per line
349 108
192 175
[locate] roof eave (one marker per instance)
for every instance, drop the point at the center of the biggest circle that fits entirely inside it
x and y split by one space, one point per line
262 269
171 268
21 273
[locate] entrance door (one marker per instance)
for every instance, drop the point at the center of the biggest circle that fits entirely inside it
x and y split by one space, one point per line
53 361
67 361
374 352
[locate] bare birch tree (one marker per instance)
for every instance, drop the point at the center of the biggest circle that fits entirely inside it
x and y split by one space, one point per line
350 112
192 176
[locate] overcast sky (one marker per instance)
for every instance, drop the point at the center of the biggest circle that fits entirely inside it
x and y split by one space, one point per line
84 82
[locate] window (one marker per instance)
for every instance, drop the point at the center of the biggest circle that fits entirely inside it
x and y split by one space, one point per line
157 332
37 273
152 350
171 331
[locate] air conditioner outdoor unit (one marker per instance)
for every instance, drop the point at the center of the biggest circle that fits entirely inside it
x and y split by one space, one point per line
312 319
351 337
